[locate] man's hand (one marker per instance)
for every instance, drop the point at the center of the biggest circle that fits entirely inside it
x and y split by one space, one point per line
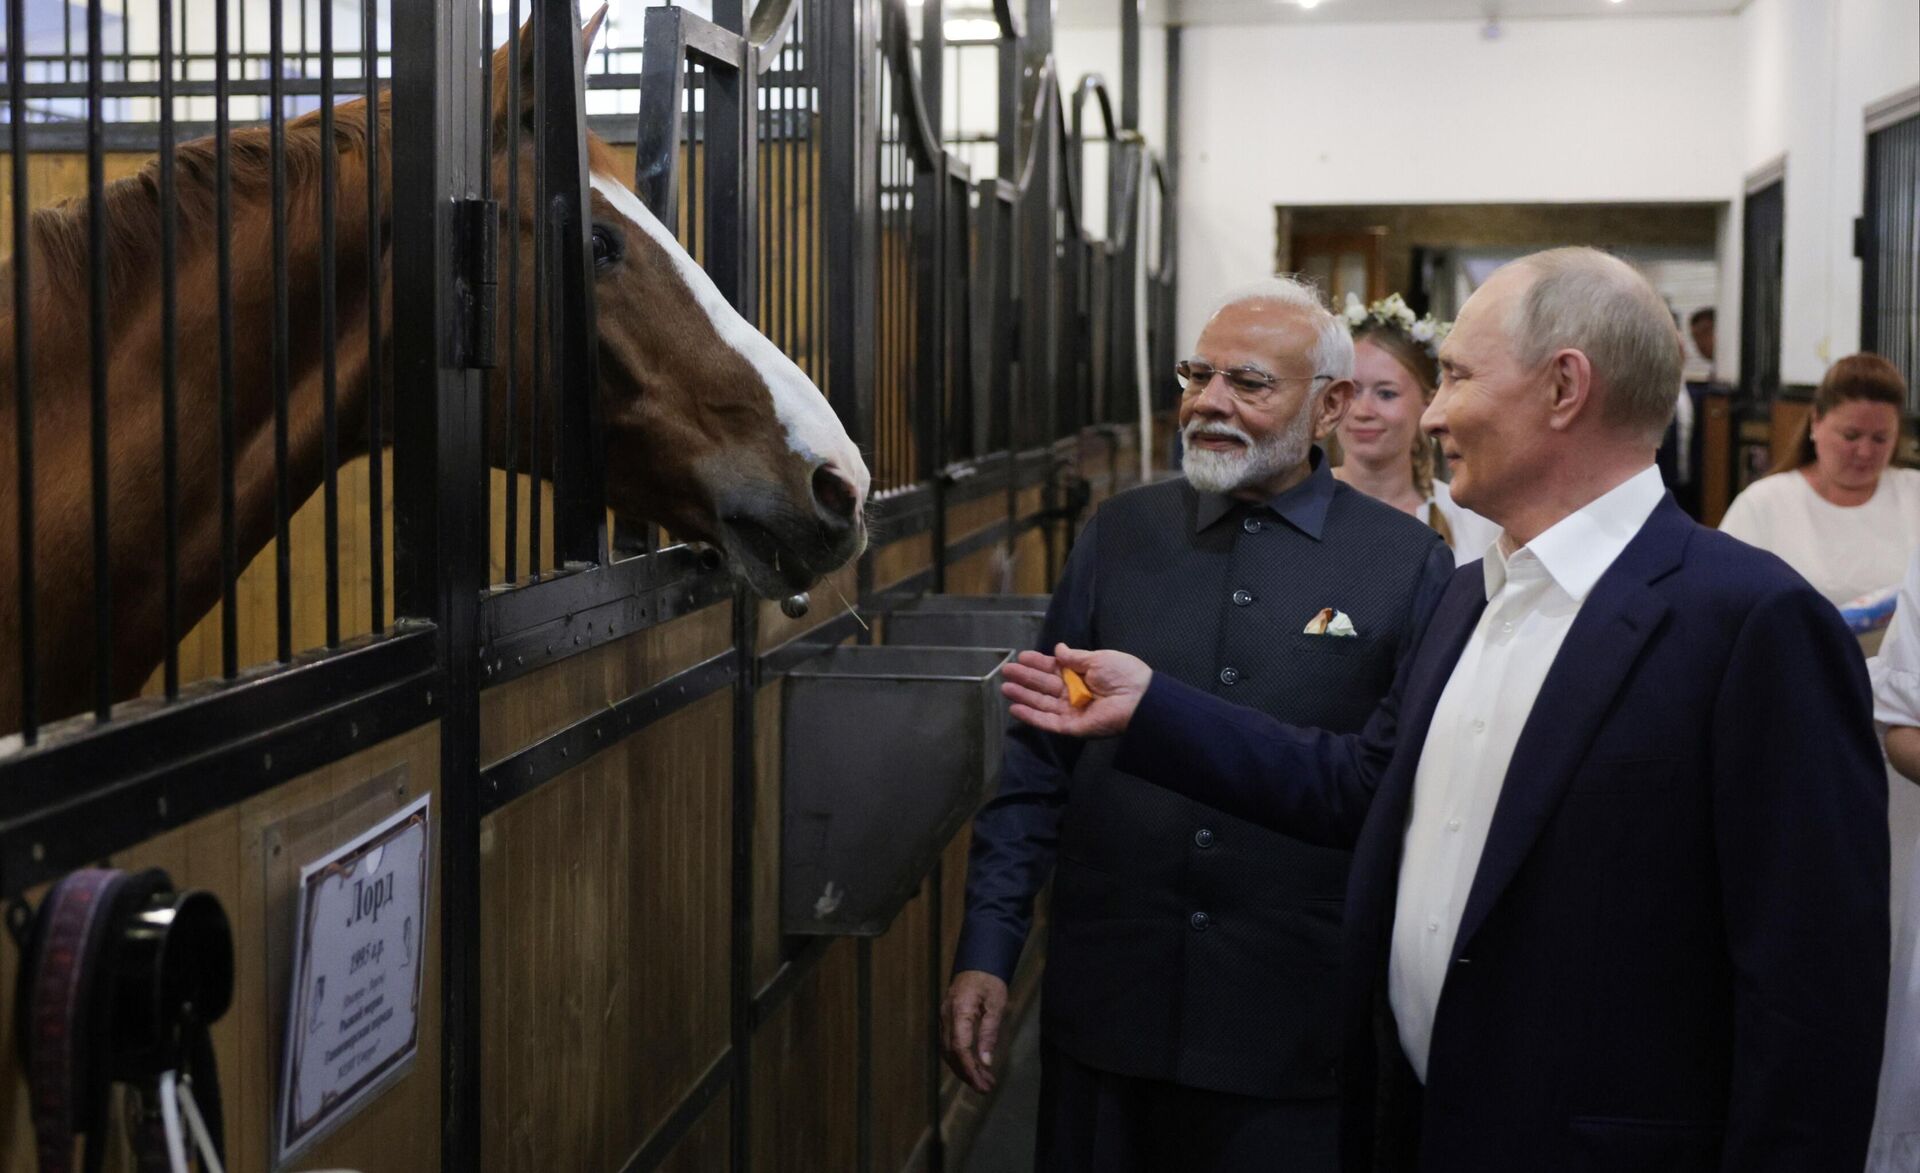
970 1025
1039 696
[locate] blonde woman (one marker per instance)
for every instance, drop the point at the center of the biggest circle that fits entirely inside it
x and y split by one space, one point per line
1384 453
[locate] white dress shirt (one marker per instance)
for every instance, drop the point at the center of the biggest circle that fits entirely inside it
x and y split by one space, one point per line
1533 595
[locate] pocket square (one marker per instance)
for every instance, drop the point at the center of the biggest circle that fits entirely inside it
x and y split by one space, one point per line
1330 622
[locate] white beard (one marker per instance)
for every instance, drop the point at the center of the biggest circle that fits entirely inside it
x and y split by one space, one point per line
1256 462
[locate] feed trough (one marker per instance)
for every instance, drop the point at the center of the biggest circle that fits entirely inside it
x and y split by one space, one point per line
887 750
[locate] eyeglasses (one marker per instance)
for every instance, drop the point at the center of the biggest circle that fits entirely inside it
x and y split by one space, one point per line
1248 384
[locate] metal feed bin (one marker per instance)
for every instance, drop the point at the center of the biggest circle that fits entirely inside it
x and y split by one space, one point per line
969 621
887 751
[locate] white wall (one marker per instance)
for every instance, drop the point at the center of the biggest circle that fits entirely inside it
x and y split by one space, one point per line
1619 109
1811 68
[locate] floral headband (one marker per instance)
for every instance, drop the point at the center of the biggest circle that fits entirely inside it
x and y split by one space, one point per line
1393 312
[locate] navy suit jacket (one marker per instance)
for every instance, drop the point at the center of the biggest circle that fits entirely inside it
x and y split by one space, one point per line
1674 955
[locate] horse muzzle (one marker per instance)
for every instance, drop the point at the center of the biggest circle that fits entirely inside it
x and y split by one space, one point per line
779 547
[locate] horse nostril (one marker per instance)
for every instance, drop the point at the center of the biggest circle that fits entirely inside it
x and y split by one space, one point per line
835 495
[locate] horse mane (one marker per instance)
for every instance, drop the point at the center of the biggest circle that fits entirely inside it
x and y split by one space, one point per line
59 232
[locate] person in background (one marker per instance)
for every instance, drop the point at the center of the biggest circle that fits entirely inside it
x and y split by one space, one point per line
1188 1012
1701 328
1679 455
1385 454
1833 509
1895 1147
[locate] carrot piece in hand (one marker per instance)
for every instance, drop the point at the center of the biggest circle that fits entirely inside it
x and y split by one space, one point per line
1078 694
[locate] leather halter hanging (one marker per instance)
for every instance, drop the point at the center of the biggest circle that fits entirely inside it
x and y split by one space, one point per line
120 978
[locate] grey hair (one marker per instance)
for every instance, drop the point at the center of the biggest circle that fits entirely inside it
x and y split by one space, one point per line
1332 352
1582 299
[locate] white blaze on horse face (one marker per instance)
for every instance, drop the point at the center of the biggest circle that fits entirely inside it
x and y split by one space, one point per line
813 431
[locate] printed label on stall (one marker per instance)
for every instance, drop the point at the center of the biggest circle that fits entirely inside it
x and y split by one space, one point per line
354 1017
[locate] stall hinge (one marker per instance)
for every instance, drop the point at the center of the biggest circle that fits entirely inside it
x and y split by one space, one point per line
476 282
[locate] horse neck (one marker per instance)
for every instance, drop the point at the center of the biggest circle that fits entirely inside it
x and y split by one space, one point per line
136 353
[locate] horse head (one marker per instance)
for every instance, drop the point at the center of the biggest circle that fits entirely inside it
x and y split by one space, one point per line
711 430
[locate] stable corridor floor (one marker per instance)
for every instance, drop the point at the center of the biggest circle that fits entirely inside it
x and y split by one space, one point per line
1005 1144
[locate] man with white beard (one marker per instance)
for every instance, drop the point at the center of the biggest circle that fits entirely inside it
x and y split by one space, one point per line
1189 1009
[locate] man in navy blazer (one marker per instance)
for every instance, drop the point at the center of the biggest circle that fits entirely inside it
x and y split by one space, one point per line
1619 891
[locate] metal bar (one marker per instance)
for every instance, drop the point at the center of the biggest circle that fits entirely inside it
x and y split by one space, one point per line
120 90
282 330
542 310
787 979
511 653
935 989
863 1049
1130 64
439 547
23 371
97 269
489 263
740 999
662 122
85 792
579 490
533 766
223 215
660 1146
376 478
848 151
511 535
169 364
329 325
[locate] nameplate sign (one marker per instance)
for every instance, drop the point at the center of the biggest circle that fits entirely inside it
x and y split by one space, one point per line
354 1018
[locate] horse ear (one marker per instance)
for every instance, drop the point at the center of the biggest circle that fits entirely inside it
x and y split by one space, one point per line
502 64
591 29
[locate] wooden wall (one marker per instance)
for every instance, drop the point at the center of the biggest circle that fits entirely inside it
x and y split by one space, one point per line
237 855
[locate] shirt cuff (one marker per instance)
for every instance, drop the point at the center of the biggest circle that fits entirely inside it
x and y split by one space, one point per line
1896 693
988 947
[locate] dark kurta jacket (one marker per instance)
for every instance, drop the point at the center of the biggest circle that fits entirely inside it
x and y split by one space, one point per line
1674 953
1186 944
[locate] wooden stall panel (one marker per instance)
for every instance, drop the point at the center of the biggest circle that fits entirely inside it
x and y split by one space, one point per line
806 1071
902 559
705 1148
903 1014
605 927
769 945
227 853
970 517
54 177
523 711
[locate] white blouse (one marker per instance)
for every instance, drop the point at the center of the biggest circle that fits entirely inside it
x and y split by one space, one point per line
1844 551
1472 533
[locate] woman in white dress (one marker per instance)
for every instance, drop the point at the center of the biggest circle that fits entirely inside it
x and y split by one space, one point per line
1896 706
1384 453
1834 510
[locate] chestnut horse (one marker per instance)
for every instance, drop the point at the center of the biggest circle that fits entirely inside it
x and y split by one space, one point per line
711 430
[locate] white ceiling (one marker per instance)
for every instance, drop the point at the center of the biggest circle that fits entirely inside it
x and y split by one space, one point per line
1091 13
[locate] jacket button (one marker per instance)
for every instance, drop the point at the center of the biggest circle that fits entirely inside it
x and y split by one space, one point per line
1203 838
1242 598
1199 921
1229 676
1252 525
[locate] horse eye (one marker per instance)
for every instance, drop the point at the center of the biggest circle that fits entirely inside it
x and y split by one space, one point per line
606 247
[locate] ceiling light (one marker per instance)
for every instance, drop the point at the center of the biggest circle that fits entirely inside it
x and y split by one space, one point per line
1310 4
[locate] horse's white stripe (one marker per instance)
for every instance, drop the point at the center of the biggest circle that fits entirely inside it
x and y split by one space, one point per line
813 431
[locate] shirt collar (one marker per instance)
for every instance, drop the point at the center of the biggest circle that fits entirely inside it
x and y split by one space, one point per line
1578 549
1304 506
